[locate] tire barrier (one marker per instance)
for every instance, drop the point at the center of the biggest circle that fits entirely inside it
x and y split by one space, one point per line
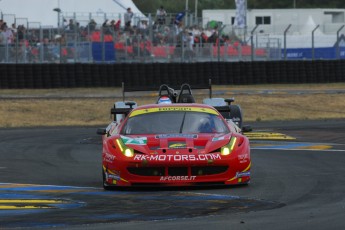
151 75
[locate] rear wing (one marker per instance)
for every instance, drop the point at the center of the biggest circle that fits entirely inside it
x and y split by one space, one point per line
223 109
120 113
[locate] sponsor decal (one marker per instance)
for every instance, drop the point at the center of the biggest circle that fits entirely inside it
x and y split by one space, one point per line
191 136
177 178
114 177
242 174
172 109
243 158
175 109
112 174
236 119
177 158
108 158
177 145
134 141
218 138
294 55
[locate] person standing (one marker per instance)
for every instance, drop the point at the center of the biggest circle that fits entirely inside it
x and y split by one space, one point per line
128 18
71 27
161 14
2 44
189 43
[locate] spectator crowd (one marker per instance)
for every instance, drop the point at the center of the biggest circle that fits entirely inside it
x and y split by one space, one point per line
21 44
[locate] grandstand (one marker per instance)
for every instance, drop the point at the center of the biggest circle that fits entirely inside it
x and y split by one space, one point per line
72 31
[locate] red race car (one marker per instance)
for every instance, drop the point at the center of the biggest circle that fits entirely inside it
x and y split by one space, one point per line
173 144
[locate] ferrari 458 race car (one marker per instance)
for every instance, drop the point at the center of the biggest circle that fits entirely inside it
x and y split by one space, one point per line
173 143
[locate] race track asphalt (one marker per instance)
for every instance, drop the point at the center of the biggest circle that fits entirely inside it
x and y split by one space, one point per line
51 177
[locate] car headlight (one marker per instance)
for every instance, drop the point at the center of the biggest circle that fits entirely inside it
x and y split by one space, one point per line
128 152
227 149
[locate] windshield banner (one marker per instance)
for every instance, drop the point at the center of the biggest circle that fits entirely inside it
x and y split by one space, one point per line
173 109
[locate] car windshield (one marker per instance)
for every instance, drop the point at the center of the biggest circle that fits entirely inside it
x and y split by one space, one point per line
174 122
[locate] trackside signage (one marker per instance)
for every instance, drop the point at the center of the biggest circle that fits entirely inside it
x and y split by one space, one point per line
173 109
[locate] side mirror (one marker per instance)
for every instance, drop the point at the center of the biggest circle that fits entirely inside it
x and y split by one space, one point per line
246 129
101 131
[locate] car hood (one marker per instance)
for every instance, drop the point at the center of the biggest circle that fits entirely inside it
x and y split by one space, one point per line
184 143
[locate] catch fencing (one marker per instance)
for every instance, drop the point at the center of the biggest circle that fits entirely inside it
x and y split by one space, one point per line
151 75
114 48
103 38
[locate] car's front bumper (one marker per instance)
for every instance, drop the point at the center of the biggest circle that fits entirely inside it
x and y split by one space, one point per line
222 172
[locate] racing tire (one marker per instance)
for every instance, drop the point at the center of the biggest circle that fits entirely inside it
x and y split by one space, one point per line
236 115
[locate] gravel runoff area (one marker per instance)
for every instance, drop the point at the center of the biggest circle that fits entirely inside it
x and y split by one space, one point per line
91 106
